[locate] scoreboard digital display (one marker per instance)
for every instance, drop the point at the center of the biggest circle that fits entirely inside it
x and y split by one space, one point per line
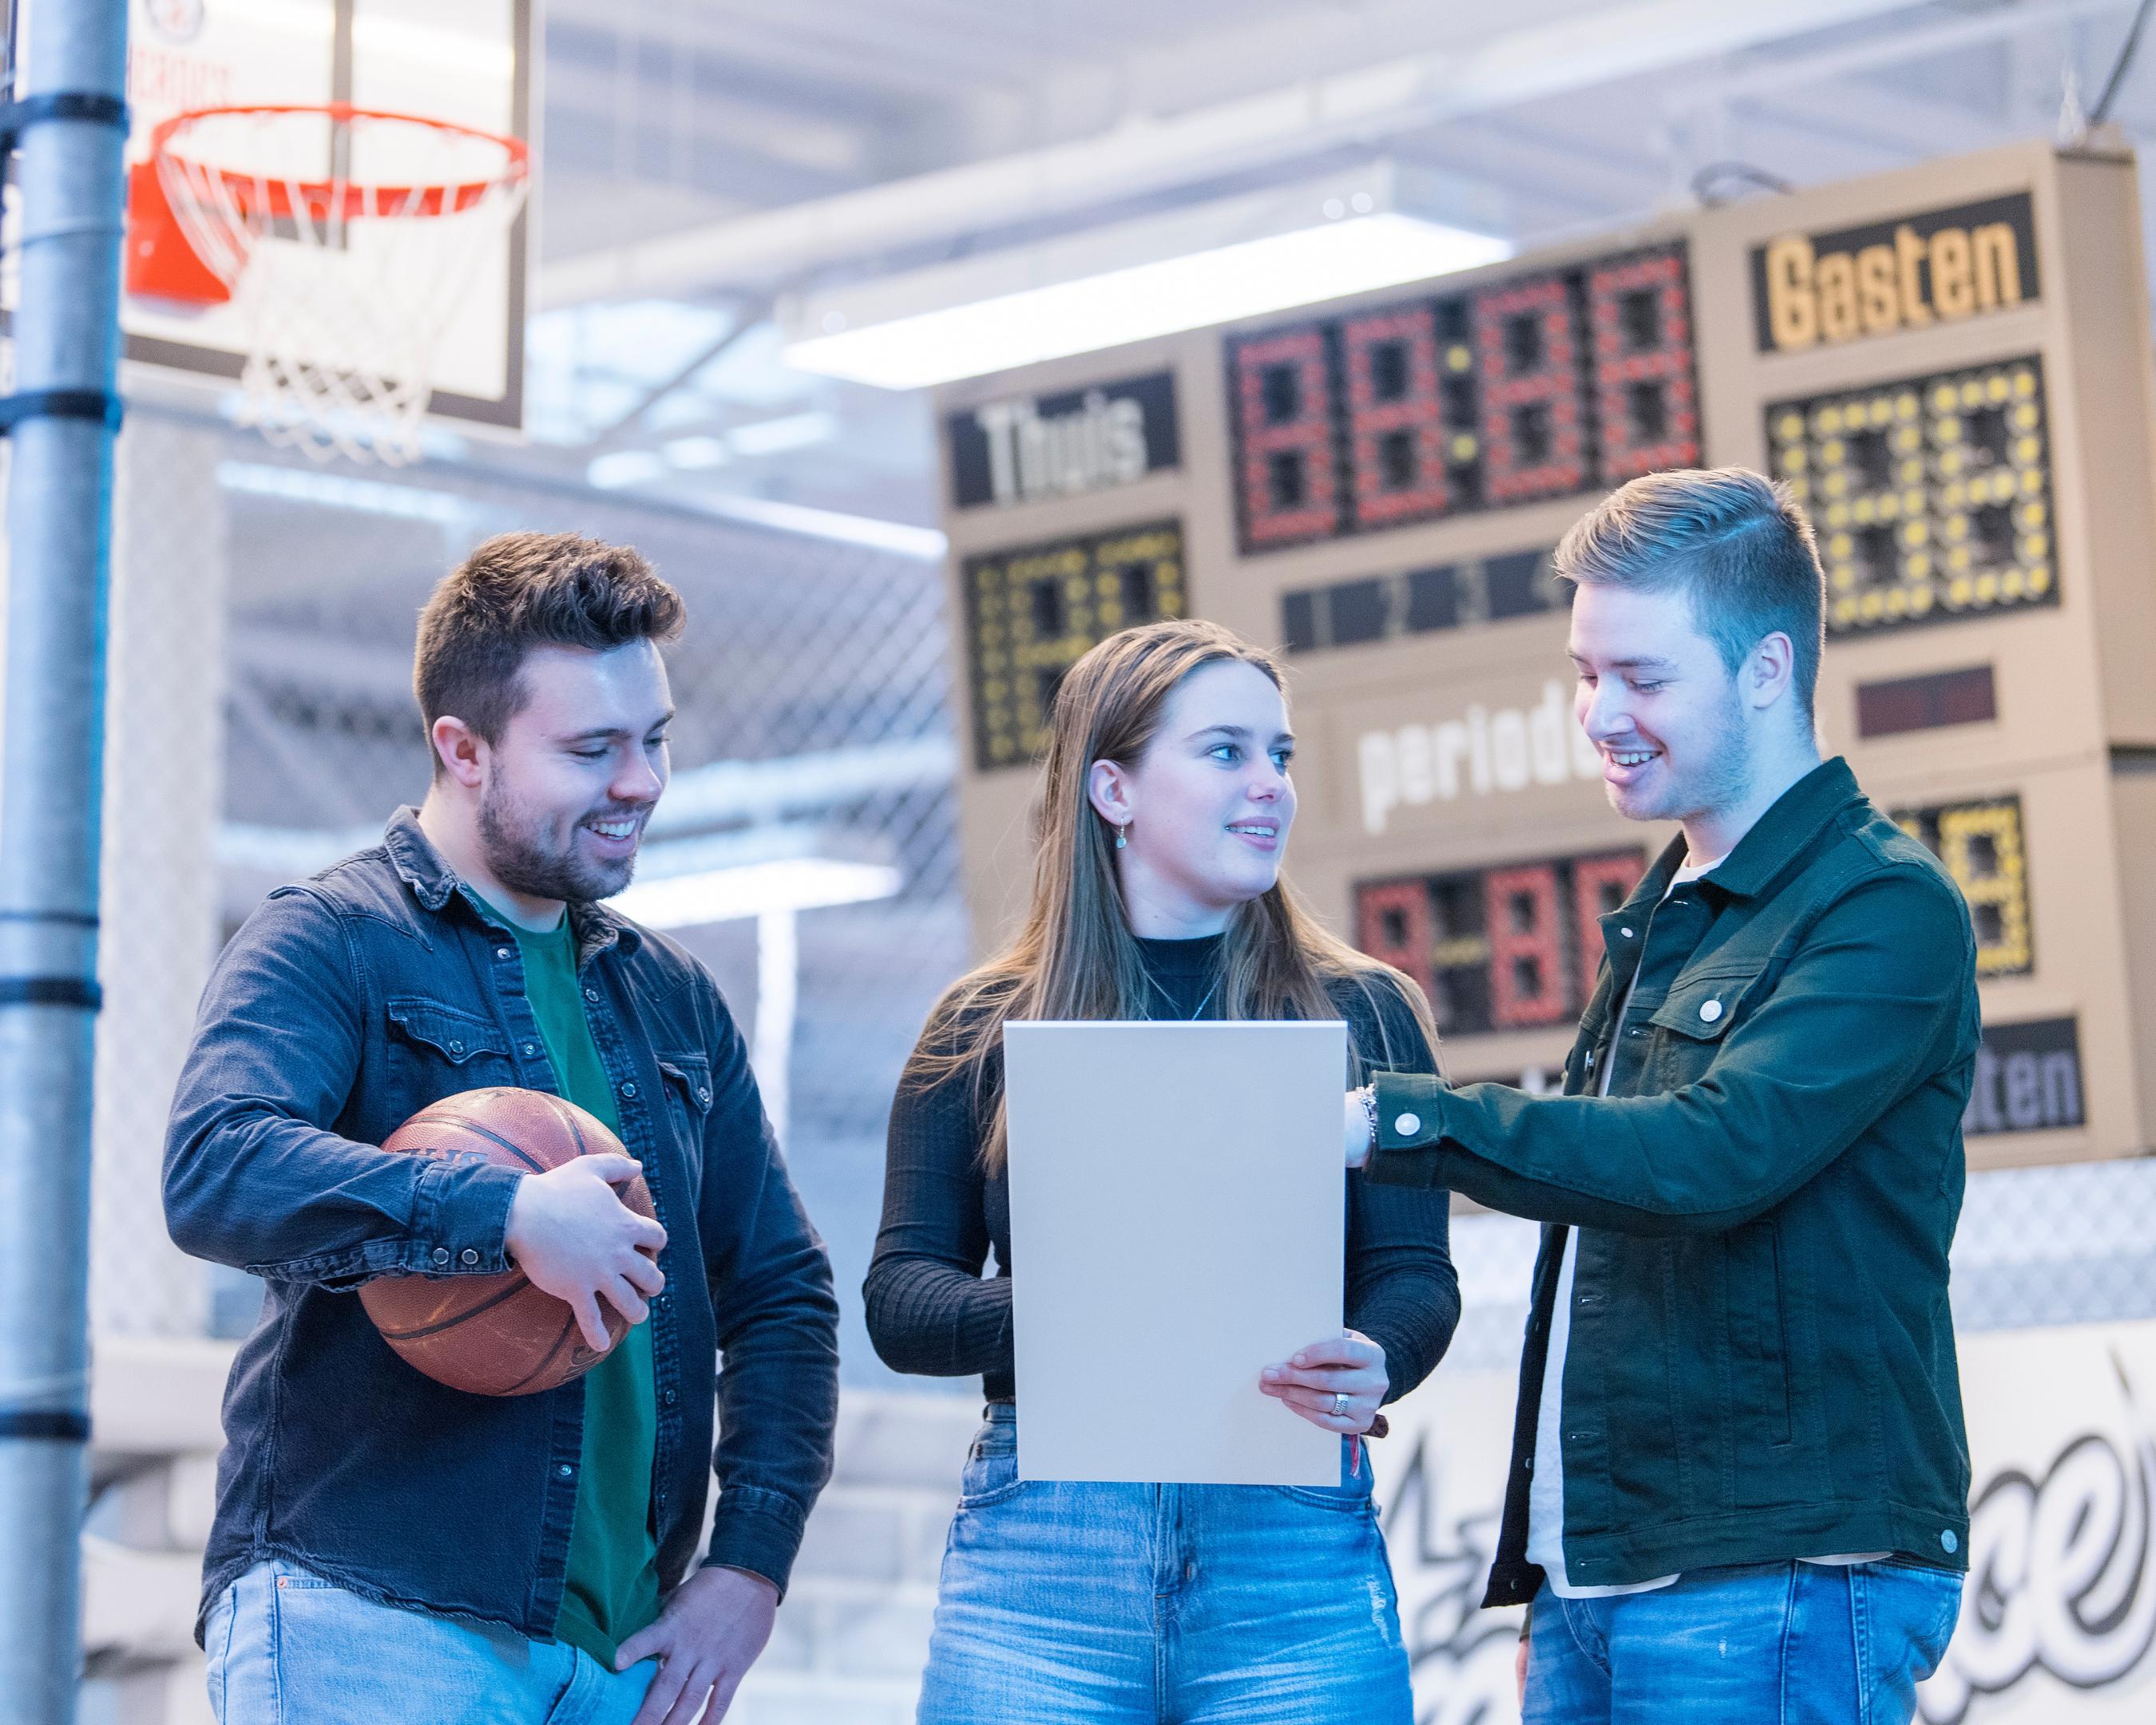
1499 949
1547 385
1981 845
1031 615
1951 367
1383 608
1931 495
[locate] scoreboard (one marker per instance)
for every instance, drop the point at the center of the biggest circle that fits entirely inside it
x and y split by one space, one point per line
1951 365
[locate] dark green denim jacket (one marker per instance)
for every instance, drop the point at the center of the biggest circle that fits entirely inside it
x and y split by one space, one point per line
1762 1359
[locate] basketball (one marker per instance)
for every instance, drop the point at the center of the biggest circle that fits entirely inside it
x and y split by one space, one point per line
496 1335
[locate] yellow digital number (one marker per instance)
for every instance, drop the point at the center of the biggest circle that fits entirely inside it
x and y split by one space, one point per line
1980 844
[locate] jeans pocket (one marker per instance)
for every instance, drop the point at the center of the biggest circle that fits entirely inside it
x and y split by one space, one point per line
217 1648
991 1474
1352 1494
1908 1616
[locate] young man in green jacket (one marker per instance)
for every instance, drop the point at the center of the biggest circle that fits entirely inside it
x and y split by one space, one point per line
1739 1479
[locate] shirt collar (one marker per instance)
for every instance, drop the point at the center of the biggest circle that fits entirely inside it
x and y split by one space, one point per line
1786 830
434 883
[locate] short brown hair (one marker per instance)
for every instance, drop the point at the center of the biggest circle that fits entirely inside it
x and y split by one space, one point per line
518 591
1734 542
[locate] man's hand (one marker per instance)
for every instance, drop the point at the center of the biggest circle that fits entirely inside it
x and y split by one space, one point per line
570 1232
712 1628
1310 1383
1358 1130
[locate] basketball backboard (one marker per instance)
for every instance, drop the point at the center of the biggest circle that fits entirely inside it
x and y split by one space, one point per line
467 63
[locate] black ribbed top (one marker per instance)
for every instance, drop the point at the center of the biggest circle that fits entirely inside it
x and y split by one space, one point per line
935 1307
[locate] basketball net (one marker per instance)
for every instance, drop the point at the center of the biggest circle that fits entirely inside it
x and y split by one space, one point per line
346 286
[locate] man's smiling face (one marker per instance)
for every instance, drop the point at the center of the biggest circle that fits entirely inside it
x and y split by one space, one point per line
1656 700
577 772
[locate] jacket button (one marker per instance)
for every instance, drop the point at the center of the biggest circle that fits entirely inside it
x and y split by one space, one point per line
628 1089
455 1046
470 1256
705 1097
1407 1125
501 951
1710 1010
530 1047
441 1255
1626 932
565 1470
591 994
672 1396
1948 1542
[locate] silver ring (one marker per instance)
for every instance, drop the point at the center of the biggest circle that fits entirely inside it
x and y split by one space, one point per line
1340 1404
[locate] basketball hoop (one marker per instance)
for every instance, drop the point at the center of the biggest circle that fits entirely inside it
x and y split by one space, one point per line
347 237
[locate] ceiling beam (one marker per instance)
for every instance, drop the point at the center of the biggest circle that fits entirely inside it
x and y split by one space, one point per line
1142 155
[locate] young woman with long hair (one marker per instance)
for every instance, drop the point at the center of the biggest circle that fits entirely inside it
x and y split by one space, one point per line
1156 895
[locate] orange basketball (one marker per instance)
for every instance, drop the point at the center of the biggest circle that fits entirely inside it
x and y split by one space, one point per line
496 1335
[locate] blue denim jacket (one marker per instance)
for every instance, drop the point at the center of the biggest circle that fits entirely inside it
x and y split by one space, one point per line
347 1002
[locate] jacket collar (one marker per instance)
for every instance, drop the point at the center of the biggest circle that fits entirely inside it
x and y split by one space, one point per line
1786 830
434 883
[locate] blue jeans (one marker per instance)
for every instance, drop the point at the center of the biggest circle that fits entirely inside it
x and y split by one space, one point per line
1132 1605
288 1648
1758 1644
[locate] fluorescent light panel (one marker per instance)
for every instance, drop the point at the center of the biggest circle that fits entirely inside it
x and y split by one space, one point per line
1376 227
1258 276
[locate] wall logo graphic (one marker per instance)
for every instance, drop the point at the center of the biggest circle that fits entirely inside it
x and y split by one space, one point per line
1459 1655
2062 1574
2058 1619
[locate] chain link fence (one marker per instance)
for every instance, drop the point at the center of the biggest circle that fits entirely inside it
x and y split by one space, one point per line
2075 1244
263 725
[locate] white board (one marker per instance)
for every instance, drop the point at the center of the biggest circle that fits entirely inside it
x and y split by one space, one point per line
1178 1223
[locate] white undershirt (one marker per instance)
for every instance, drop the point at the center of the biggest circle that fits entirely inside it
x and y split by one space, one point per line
1546 1491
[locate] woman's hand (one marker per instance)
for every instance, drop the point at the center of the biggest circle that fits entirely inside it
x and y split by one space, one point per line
1349 1364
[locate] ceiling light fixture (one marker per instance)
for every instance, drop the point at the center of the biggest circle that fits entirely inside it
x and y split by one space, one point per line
1376 228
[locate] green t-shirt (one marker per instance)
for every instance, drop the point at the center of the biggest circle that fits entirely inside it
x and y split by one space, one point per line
612 1588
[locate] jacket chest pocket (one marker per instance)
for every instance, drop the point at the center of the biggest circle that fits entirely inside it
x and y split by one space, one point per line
1690 1025
688 1094
436 1049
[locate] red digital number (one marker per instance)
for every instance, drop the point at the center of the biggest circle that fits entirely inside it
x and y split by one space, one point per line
1534 423
1393 924
1283 407
1599 884
1526 947
1639 314
1395 417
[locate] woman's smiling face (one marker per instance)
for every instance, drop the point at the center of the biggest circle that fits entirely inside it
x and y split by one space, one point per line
1209 803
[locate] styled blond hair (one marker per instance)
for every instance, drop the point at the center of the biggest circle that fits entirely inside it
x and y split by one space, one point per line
1735 543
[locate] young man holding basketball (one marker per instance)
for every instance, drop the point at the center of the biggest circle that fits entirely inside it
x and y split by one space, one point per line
1739 1479
388 1551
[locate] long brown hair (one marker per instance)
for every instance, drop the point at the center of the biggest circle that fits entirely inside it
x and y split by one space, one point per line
1075 956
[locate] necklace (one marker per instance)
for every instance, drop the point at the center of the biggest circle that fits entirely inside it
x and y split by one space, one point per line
1170 998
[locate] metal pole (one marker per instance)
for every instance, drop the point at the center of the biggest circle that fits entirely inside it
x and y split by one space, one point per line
66 338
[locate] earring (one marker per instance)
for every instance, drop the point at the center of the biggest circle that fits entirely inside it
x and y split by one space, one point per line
1121 841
